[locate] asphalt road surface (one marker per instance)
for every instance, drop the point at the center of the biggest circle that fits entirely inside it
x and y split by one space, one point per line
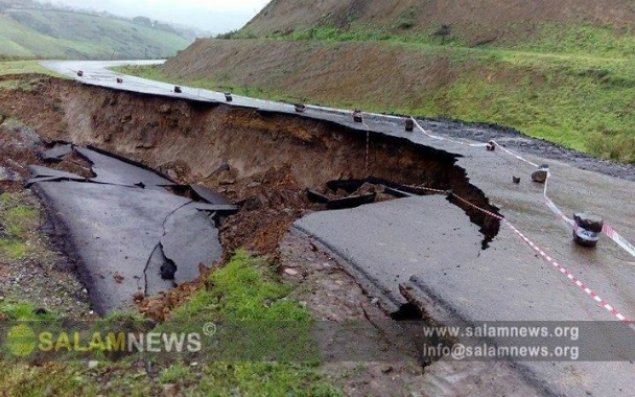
430 246
127 233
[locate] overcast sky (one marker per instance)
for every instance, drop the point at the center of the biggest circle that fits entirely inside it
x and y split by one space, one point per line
215 16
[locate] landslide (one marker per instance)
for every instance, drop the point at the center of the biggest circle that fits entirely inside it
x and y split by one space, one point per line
473 22
263 162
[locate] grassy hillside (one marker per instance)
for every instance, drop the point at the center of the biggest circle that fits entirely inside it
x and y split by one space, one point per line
49 33
506 23
570 78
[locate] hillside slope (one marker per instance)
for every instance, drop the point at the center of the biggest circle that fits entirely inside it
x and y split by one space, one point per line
502 22
572 81
29 32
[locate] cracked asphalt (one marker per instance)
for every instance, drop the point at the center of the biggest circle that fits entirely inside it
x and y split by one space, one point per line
125 230
508 281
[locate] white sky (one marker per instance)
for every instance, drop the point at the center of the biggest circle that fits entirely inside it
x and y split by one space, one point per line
215 16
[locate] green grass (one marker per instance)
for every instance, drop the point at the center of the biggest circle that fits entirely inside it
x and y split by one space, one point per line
245 291
240 291
573 84
580 101
39 33
22 311
25 67
19 225
581 39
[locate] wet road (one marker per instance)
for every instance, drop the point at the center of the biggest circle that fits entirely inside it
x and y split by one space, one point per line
506 282
128 235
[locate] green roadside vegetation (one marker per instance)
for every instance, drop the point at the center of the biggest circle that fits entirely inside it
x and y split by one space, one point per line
18 228
16 67
549 38
585 102
245 291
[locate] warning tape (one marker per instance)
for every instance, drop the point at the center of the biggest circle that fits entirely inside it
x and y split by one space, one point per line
442 138
607 230
518 157
563 270
619 240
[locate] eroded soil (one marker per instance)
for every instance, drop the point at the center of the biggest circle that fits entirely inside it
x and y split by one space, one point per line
262 162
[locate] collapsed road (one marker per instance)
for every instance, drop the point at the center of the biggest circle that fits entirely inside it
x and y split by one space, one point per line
129 235
503 279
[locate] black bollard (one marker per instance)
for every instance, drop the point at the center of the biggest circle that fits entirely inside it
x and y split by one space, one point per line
587 229
357 116
410 125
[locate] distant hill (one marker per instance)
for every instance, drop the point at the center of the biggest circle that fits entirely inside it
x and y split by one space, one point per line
31 30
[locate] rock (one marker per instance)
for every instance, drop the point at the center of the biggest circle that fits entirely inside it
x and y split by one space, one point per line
7 175
253 203
222 168
92 364
291 272
540 176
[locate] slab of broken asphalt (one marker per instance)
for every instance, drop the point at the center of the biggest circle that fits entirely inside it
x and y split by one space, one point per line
512 284
129 235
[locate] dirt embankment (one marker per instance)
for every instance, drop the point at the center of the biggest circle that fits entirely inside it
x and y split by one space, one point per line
386 76
263 162
474 22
